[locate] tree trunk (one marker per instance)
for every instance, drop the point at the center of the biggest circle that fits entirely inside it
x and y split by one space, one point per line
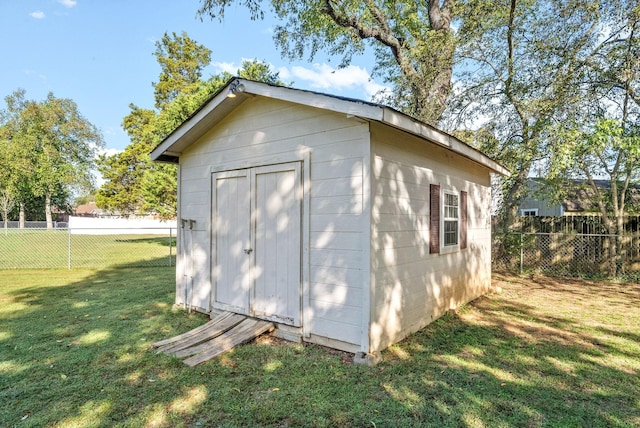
621 242
611 240
47 210
432 96
514 196
613 255
507 245
22 215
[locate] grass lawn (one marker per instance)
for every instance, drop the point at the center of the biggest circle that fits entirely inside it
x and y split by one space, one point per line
74 352
46 249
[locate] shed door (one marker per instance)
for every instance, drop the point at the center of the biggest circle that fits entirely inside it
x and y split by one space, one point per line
276 215
257 214
230 228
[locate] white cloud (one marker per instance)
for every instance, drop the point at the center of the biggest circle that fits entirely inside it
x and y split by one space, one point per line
352 81
229 67
68 3
34 73
326 78
108 151
38 14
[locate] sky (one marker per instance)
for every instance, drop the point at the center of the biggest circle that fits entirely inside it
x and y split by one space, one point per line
100 54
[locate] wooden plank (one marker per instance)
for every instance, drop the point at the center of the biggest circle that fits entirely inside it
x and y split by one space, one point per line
215 330
245 332
193 332
204 345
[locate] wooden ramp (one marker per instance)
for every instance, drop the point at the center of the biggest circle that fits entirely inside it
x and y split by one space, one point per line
219 335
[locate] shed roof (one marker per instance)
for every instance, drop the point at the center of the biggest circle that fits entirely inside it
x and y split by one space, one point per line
220 105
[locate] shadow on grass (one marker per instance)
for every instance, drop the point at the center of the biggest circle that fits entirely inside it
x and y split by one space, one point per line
74 351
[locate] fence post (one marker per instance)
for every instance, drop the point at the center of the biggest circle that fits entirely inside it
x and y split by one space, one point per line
68 247
170 244
521 253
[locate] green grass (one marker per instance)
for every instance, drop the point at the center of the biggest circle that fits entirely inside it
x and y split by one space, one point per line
74 352
50 249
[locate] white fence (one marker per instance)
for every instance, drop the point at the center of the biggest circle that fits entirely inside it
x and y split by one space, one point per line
115 226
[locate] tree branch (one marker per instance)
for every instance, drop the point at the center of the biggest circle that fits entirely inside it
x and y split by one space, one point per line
383 34
440 17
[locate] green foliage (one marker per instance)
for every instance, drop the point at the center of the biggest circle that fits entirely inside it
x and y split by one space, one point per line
85 198
133 184
600 136
181 60
8 179
412 41
524 67
607 151
530 69
48 150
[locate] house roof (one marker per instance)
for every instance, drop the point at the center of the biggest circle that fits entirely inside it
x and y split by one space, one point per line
579 196
220 105
86 209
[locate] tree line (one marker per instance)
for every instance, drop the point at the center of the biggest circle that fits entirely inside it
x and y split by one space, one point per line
47 149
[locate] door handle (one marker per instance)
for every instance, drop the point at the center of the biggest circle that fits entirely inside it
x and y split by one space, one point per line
248 250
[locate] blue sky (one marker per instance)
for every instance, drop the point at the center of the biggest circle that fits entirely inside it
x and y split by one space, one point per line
100 54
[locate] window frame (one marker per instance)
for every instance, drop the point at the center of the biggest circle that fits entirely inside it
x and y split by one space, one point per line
450 248
529 212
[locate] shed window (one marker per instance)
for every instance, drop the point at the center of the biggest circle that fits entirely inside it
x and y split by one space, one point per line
448 222
450 218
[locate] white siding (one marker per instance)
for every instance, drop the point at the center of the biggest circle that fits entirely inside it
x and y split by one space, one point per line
263 132
411 287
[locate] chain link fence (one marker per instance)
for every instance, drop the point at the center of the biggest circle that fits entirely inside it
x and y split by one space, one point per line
555 254
569 255
64 247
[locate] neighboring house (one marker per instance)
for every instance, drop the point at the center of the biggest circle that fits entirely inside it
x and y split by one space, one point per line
88 210
349 224
578 199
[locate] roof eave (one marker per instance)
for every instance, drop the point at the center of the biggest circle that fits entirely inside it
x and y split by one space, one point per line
402 121
220 105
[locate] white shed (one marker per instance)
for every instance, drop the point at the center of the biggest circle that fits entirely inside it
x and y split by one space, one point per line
347 223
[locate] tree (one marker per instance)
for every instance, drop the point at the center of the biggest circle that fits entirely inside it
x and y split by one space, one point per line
523 68
14 170
8 188
181 62
56 146
123 172
8 182
130 177
601 138
608 151
413 42
134 184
